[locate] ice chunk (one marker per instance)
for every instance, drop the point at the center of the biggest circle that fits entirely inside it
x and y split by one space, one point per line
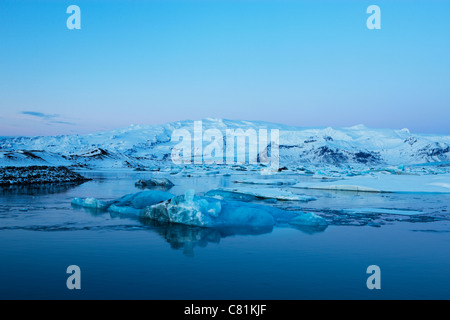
266 193
308 219
213 172
126 210
209 212
440 184
342 187
383 211
268 181
187 210
162 182
324 177
130 204
386 183
234 213
92 203
223 194
143 199
189 195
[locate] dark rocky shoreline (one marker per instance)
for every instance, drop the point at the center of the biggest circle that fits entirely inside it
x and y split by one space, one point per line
38 175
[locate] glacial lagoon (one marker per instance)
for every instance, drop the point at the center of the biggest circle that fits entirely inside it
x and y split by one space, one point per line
123 257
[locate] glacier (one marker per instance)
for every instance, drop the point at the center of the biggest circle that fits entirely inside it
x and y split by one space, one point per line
300 149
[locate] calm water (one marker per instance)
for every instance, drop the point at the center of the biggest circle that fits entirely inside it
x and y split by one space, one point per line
125 258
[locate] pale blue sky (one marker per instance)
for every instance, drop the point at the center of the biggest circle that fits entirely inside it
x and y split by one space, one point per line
304 63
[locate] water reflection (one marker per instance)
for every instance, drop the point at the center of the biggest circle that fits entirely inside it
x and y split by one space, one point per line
310 229
186 238
38 189
161 188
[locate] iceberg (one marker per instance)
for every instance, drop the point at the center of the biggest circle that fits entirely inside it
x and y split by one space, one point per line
193 210
225 194
91 203
130 204
125 210
261 193
162 182
308 219
185 209
143 199
203 211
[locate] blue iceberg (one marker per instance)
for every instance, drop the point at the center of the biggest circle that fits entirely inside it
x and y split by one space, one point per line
193 210
130 204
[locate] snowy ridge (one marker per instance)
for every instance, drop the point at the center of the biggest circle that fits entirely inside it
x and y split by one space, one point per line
151 145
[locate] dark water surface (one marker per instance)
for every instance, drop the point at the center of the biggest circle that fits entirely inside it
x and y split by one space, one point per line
41 234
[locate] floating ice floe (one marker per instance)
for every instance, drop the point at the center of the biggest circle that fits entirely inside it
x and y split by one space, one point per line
308 219
440 184
326 175
261 193
194 210
386 183
92 203
130 204
230 195
212 172
267 181
383 211
161 182
339 187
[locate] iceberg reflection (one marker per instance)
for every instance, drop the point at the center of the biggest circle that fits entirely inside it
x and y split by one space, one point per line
186 238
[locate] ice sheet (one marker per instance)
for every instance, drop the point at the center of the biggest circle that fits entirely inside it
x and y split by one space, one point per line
386 183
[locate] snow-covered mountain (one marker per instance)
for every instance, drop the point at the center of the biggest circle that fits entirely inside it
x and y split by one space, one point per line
151 145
